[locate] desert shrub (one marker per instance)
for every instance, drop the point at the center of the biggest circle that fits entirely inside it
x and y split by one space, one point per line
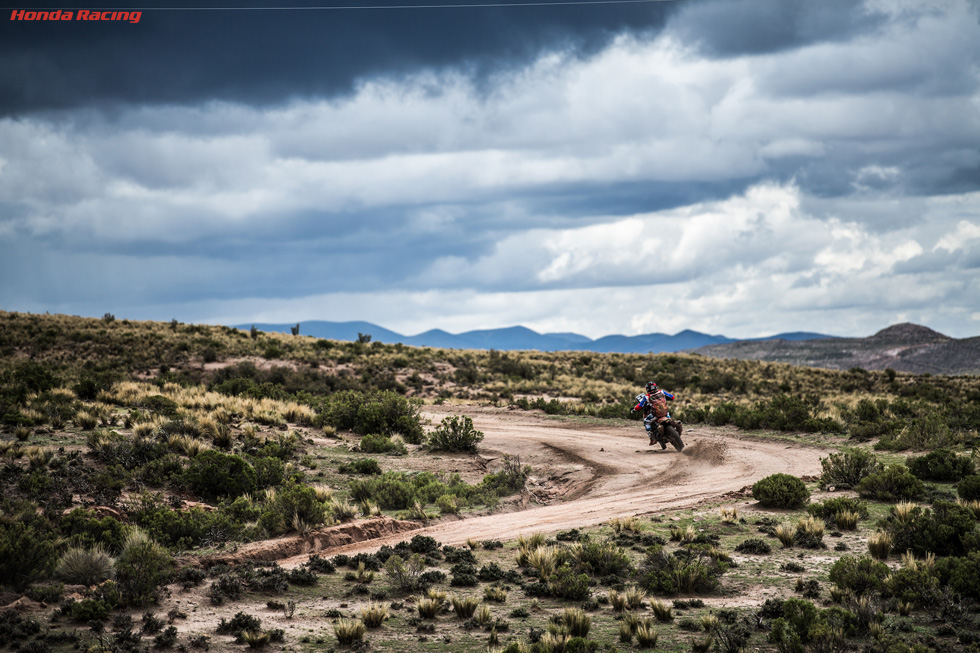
782 413
225 587
240 623
269 470
455 555
455 433
680 572
292 501
511 478
947 529
85 528
732 636
781 491
600 558
364 466
961 574
86 610
302 576
754 545
809 533
320 565
845 469
804 627
464 606
376 443
791 631
382 412
28 545
141 568
915 584
16 629
464 575
891 484
968 489
880 545
829 508
182 529
860 575
406 575
46 593
565 583
167 638
923 431
349 631
941 465
212 474
85 566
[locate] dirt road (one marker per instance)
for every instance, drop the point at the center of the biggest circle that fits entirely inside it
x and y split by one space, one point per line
585 473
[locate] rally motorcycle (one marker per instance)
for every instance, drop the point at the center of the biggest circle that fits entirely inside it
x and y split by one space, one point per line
665 430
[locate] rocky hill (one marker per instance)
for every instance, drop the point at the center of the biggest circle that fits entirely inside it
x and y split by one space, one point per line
902 347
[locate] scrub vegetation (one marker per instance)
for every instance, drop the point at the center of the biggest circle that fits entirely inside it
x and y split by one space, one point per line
133 453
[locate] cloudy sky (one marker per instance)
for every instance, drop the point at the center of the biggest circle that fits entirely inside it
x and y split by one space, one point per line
741 167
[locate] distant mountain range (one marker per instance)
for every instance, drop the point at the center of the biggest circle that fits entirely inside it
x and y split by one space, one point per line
902 347
520 338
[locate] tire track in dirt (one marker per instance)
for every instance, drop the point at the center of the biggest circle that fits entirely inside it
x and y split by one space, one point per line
608 470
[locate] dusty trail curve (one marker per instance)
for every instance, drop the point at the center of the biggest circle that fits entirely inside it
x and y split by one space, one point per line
586 473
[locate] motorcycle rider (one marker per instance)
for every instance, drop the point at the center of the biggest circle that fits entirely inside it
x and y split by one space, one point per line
654 406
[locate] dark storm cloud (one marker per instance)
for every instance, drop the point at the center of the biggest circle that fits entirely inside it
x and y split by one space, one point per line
266 57
736 27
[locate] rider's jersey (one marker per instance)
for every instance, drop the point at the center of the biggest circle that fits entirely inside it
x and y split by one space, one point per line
655 403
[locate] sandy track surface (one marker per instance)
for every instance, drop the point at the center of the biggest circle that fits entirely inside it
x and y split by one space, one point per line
585 473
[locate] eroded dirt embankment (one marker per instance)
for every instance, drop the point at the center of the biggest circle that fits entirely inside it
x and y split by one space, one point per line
583 474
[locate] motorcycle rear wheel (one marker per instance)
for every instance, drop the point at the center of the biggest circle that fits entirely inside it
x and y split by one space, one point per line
673 437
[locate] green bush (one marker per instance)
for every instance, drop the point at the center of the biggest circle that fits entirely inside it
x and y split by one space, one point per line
406 575
791 632
565 583
375 443
781 491
829 508
269 471
141 569
455 433
508 480
924 431
915 584
382 412
947 529
893 483
845 469
961 574
969 488
28 545
364 466
941 465
184 529
754 545
804 627
293 500
87 610
680 572
85 528
213 475
860 575
600 558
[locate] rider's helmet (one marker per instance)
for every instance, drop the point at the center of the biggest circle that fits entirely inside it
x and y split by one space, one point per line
651 387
